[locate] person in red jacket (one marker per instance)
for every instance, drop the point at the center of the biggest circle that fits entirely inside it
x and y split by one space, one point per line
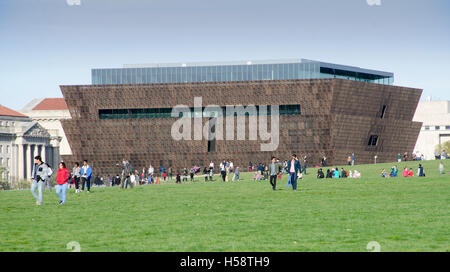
62 178
410 172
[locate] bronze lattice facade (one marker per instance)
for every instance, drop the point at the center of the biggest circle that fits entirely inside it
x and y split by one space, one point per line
337 117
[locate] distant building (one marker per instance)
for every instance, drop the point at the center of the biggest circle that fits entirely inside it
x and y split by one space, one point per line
435 116
49 112
21 139
325 110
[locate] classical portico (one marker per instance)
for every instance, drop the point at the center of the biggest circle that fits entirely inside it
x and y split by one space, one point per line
21 139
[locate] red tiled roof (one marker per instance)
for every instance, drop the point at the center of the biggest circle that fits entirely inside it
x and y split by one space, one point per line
4 111
52 104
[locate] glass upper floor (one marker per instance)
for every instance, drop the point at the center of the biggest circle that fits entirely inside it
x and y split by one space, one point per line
236 71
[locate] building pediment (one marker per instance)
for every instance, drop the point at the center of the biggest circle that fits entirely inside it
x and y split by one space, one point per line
37 131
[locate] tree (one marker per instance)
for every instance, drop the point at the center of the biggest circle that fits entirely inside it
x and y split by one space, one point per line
441 147
4 184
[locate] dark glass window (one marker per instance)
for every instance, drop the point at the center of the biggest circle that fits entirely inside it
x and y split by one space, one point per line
212 142
373 140
166 112
383 111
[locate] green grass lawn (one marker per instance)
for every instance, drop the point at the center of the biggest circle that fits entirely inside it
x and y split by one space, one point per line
401 214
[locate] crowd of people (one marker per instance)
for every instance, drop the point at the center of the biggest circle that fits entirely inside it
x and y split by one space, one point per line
336 173
81 177
441 156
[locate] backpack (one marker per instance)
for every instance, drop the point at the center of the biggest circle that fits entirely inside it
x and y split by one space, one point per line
49 170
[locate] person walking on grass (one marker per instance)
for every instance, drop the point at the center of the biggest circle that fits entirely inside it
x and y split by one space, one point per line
293 168
62 179
205 173
223 171
127 172
38 179
86 174
441 168
236 174
76 175
191 173
274 169
49 174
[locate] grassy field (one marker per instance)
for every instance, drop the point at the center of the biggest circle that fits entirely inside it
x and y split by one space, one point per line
402 214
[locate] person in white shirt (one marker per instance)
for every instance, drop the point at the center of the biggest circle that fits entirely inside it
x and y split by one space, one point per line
151 170
133 179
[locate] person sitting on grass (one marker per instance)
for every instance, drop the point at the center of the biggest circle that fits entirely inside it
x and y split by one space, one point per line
356 174
320 174
329 174
405 172
410 172
336 173
394 172
343 173
256 176
420 171
383 173
350 174
150 180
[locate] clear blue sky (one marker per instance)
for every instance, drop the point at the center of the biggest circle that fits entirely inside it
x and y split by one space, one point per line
47 43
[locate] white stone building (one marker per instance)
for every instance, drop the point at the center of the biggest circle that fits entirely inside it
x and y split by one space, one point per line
435 116
48 112
21 139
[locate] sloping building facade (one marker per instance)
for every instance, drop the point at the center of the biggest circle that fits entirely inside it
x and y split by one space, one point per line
328 117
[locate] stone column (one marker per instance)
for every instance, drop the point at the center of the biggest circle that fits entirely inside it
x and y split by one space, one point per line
44 152
28 164
35 151
20 162
55 142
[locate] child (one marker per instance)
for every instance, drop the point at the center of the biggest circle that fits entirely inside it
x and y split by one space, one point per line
383 173
178 178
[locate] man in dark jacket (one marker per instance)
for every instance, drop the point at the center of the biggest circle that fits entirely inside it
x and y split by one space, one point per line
38 177
293 168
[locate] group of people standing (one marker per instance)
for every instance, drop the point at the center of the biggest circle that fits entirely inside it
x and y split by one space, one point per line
274 171
40 176
227 167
